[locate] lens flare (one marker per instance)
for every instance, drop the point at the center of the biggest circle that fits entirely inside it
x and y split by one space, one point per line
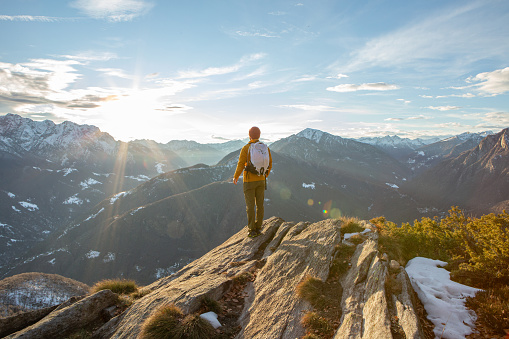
310 202
285 193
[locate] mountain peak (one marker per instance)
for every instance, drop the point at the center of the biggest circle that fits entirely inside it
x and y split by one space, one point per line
312 134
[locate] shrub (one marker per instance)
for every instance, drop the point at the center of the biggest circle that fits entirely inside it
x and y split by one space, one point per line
341 261
492 308
194 327
316 324
119 286
350 225
210 305
163 323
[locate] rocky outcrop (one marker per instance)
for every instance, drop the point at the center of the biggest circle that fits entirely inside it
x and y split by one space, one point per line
70 316
376 305
377 299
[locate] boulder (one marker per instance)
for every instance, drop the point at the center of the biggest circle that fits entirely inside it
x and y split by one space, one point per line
65 320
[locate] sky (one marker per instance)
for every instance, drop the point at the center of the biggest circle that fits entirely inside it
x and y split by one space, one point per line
208 70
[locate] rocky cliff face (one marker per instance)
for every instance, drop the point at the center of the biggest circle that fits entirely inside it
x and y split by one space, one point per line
256 282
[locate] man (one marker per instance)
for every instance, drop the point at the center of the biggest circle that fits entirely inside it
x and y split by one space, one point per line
253 184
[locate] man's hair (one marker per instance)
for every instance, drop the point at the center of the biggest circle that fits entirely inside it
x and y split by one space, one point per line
254 133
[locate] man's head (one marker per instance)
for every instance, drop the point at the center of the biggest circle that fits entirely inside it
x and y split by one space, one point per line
254 133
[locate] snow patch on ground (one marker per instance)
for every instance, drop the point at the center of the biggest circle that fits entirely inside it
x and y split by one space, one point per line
443 299
139 177
211 317
159 168
11 195
109 257
29 206
67 171
89 182
392 185
349 235
15 209
94 215
92 254
118 196
311 185
136 210
73 200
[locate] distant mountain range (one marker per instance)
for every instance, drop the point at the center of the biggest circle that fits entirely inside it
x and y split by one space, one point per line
75 202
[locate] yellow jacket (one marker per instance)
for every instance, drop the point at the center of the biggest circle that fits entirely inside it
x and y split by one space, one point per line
241 165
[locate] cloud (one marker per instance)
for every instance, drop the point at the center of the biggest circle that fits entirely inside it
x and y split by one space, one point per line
498 119
423 43
277 13
115 72
211 71
258 33
419 117
113 10
443 108
405 101
32 18
493 83
319 108
379 86
92 56
339 76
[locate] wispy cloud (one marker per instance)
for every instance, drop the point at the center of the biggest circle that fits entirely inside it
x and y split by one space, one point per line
379 86
115 72
318 108
424 42
211 71
257 33
418 117
91 56
443 108
338 76
113 10
34 18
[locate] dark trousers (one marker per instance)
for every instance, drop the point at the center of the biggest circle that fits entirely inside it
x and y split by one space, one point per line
254 193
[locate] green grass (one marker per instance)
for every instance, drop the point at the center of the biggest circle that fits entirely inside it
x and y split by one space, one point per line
119 286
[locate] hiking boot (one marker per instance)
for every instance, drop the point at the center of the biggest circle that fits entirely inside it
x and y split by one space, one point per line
254 234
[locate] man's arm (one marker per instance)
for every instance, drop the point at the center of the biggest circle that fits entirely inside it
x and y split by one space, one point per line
241 164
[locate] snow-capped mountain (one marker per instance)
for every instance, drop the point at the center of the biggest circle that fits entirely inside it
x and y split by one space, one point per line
358 160
430 155
396 146
476 179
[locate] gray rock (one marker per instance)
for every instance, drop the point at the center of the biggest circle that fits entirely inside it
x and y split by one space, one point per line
20 321
209 276
394 265
274 310
405 303
364 302
64 320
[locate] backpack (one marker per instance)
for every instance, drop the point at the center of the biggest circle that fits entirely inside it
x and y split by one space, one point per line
257 158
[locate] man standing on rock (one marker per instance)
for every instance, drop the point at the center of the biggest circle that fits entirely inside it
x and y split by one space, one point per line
256 162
